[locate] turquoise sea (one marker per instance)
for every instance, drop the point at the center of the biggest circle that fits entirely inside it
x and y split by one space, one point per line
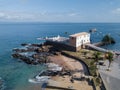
16 74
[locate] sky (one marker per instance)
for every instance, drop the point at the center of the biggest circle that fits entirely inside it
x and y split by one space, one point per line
60 10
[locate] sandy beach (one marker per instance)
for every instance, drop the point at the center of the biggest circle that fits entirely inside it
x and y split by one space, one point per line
65 81
67 63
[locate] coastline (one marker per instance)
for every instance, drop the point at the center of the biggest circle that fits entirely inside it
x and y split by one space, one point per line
49 54
76 69
52 54
16 72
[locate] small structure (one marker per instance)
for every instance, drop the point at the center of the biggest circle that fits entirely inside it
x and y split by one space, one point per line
58 39
79 40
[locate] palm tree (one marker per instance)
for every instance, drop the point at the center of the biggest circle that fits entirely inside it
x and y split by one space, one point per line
96 59
110 58
96 56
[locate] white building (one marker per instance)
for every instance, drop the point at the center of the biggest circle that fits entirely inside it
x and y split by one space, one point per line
57 39
78 40
74 43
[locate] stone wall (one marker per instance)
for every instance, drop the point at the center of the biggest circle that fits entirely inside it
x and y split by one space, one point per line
61 46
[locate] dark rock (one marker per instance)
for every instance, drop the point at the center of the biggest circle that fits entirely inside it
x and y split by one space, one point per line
40 53
20 50
93 30
24 44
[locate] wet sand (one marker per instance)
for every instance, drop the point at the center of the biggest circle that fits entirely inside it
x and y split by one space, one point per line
67 63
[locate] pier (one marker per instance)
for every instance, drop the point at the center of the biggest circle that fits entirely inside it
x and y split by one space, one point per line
92 46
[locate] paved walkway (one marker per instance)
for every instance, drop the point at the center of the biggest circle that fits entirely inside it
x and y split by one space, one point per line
111 78
101 49
96 48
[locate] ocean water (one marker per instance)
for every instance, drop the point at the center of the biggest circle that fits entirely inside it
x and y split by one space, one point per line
16 74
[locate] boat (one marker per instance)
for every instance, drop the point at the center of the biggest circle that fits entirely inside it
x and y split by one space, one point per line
93 30
40 39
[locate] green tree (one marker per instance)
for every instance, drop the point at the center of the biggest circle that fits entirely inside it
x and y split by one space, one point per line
107 39
110 58
96 59
96 56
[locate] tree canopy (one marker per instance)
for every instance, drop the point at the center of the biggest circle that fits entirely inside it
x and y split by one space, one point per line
107 39
110 58
97 56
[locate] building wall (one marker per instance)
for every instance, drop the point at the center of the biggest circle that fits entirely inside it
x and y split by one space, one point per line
61 46
72 41
83 39
79 40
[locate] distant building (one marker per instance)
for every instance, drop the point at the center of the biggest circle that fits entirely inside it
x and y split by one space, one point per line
78 40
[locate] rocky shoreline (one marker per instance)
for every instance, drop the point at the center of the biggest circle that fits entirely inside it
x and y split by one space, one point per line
59 67
34 53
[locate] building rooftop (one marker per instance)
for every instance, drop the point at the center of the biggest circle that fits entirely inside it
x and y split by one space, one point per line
79 34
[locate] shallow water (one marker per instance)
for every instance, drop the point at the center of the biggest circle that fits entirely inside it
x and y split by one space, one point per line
16 74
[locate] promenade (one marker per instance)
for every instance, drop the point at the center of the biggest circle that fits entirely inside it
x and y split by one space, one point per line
92 46
111 78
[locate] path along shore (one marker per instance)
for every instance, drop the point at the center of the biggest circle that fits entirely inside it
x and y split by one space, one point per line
111 78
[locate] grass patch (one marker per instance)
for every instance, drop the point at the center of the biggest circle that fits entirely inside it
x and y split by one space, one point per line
86 56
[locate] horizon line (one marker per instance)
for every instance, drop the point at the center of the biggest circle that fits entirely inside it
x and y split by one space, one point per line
49 22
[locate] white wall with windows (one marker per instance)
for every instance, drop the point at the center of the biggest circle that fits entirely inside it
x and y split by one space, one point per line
82 39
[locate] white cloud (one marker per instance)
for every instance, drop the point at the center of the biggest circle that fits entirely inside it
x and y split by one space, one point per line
42 16
116 11
2 14
16 16
72 14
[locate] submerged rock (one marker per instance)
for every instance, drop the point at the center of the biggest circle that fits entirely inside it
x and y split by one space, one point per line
24 44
